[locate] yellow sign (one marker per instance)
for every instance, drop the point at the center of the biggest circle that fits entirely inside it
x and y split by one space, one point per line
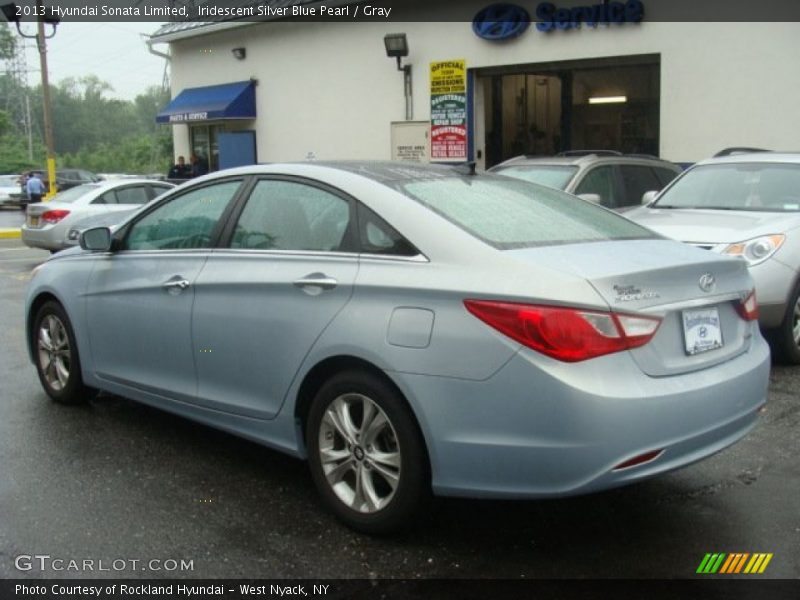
448 77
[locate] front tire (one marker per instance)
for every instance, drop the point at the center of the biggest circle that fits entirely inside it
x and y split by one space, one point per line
787 336
366 453
56 356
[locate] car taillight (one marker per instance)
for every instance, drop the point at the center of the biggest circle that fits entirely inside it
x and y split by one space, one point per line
566 334
748 308
54 216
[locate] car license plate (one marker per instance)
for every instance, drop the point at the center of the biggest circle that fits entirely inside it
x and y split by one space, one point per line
701 330
34 221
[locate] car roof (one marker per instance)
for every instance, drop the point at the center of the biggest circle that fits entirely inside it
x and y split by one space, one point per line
115 183
755 157
586 159
379 171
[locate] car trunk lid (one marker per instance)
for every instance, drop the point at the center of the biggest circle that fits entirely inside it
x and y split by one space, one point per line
663 278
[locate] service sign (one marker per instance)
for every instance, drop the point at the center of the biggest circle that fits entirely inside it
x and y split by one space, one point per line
449 111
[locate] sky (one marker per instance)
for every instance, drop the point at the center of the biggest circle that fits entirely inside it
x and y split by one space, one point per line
115 52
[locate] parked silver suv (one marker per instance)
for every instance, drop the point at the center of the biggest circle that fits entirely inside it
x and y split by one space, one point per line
608 178
745 205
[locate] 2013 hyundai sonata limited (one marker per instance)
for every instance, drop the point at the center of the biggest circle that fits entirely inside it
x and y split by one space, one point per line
410 329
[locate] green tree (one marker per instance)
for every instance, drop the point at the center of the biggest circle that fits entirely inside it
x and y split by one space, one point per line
7 42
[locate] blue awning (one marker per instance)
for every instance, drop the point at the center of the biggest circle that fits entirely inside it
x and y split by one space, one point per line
226 101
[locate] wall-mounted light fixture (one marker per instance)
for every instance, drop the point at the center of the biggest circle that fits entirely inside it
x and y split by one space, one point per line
397 47
239 53
608 99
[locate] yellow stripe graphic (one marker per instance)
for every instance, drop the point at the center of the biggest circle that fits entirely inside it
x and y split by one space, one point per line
755 563
765 563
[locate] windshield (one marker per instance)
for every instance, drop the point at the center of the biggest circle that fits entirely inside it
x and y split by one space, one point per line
764 187
9 180
513 214
73 194
550 175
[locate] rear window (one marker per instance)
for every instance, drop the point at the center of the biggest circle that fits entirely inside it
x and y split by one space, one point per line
514 214
73 194
549 175
760 187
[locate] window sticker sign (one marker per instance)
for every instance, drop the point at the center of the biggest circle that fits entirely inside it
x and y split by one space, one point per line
449 111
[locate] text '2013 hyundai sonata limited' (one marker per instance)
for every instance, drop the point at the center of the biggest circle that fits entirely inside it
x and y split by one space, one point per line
410 329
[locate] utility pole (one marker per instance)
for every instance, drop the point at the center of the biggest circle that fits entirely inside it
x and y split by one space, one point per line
28 127
41 43
48 17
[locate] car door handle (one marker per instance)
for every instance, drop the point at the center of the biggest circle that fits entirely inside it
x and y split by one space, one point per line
176 284
316 280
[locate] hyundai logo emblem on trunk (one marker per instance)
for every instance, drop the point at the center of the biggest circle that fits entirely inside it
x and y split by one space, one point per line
707 282
499 22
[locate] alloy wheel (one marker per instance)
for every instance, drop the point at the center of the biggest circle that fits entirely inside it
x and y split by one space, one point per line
54 352
359 453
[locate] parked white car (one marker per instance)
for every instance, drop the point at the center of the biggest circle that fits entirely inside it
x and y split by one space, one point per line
9 187
47 223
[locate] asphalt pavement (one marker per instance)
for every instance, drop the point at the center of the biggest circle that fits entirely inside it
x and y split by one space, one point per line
115 480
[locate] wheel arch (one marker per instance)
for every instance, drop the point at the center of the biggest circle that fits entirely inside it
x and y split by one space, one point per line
316 377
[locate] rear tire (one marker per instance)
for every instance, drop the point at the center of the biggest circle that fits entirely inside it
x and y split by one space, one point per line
366 453
56 356
786 339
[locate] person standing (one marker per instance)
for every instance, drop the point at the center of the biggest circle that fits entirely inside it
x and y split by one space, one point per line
34 187
180 170
199 165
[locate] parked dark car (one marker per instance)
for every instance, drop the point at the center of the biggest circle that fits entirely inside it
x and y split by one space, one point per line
67 178
608 178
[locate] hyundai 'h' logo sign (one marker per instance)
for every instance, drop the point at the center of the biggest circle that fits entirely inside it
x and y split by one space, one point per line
501 22
707 282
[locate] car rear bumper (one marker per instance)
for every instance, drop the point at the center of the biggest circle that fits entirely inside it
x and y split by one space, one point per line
47 239
547 429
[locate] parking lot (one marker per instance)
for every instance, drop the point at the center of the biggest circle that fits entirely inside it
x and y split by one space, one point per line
118 480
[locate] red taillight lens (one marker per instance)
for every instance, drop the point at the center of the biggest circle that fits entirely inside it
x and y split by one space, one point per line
566 334
54 216
748 308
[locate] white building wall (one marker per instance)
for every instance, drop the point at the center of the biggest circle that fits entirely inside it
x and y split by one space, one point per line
328 88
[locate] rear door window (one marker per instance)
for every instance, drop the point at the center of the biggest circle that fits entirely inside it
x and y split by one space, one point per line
110 197
289 215
136 194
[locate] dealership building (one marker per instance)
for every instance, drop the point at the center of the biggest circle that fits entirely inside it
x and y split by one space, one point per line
283 90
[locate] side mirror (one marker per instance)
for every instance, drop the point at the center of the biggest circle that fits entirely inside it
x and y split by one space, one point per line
648 197
593 198
96 239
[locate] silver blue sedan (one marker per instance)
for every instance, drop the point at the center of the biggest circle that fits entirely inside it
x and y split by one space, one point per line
410 329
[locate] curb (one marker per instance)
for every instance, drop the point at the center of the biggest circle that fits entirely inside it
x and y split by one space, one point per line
8 234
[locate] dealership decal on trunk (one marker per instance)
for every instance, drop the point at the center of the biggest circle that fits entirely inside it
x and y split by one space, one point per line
631 293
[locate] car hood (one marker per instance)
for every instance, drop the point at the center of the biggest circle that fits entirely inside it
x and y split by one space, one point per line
713 226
